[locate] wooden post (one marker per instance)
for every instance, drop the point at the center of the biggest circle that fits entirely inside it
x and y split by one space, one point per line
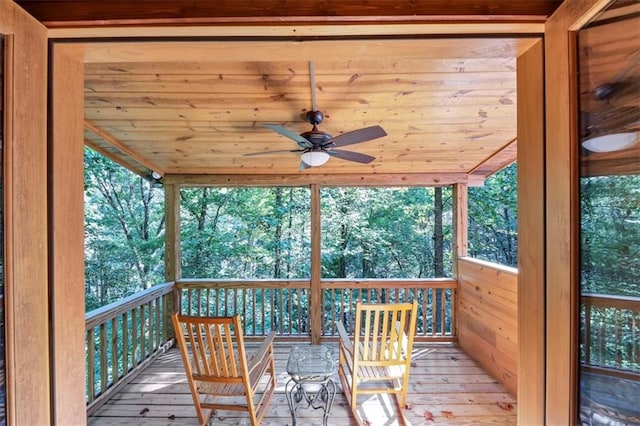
24 187
531 230
460 238
66 235
315 311
172 254
460 223
561 208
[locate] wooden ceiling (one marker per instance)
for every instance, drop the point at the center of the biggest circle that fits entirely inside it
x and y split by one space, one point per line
196 106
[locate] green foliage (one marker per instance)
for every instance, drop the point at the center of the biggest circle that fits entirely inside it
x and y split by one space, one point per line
610 235
245 232
381 232
124 232
493 218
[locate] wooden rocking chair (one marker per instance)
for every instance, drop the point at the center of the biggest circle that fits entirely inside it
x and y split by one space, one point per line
378 358
220 374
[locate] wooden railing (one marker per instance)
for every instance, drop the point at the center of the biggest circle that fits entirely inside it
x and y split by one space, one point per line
264 305
122 338
284 305
611 332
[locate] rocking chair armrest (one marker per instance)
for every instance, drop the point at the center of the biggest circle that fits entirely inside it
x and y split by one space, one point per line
257 356
345 341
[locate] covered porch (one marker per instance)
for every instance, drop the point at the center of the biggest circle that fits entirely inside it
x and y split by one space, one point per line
136 376
44 143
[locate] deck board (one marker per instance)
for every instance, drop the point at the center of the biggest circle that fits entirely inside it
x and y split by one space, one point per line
445 384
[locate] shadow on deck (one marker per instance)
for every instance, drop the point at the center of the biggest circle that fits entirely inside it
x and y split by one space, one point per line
446 387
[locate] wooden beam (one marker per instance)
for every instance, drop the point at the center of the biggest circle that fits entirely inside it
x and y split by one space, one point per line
497 161
305 30
531 229
388 180
87 12
561 213
121 147
119 159
320 50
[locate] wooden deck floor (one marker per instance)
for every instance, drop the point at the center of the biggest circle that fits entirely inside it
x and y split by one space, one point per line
446 388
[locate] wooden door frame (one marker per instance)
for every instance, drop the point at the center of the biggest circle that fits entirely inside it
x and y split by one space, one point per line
531 228
562 215
559 383
25 217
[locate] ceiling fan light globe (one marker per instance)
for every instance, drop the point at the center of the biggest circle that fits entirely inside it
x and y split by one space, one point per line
314 158
611 142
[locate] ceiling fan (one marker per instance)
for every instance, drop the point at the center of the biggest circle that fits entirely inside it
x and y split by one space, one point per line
613 124
316 146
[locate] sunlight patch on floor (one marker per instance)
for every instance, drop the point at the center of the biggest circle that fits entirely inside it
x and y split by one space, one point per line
379 410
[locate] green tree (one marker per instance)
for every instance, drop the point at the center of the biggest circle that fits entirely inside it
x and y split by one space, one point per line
493 218
124 231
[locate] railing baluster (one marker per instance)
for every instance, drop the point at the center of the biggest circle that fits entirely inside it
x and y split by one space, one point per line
280 306
115 376
134 339
103 358
125 343
443 311
424 312
158 324
91 365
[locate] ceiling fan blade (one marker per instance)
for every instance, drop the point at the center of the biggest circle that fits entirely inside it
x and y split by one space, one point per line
356 136
351 156
251 154
302 142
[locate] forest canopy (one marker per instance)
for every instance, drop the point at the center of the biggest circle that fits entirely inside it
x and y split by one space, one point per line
256 233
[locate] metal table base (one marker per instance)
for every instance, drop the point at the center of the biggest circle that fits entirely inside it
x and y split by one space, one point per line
311 368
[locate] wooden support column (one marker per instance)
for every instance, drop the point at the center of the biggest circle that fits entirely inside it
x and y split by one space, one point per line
561 210
172 253
460 237
531 229
24 196
460 223
315 314
66 235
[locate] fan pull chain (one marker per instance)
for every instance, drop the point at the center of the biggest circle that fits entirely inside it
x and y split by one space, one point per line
312 79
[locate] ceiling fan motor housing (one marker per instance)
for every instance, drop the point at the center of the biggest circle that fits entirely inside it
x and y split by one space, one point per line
317 137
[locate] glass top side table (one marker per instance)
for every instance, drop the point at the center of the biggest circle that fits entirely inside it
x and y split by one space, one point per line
311 368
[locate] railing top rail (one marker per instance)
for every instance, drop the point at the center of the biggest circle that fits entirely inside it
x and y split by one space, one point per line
112 310
187 283
325 283
612 301
492 265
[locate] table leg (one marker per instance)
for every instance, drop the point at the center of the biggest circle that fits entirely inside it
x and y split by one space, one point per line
290 398
330 395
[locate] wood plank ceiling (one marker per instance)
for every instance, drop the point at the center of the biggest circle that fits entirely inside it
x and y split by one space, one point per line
197 106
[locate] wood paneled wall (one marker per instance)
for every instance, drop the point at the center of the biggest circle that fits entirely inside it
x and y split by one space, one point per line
487 318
